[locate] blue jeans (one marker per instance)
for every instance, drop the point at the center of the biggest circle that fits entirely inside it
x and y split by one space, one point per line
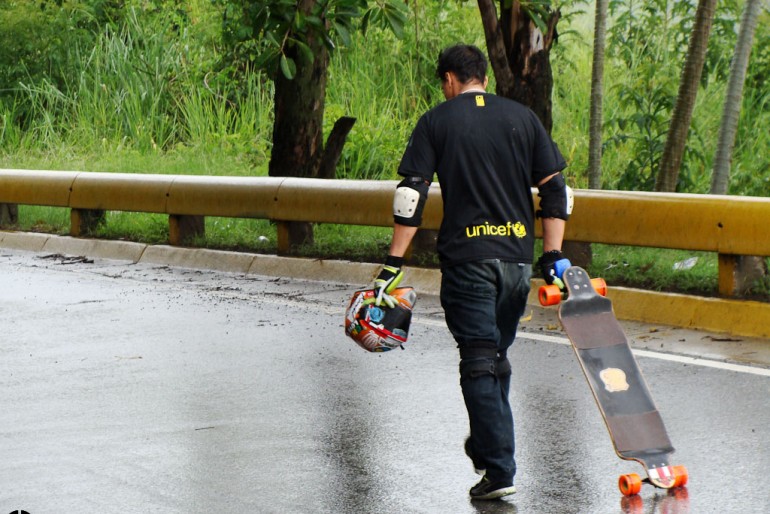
483 302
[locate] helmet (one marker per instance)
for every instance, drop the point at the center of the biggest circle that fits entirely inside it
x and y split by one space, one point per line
379 328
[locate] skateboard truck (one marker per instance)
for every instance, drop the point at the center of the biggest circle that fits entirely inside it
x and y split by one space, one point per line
631 483
633 421
553 294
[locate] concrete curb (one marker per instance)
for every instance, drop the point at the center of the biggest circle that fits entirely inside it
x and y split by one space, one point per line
114 250
743 318
28 241
199 258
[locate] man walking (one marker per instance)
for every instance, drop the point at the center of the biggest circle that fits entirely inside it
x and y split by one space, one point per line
487 153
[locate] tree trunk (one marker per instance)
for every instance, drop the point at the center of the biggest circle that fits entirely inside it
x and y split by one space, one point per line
9 214
671 161
334 144
749 268
720 176
520 56
498 54
597 96
298 126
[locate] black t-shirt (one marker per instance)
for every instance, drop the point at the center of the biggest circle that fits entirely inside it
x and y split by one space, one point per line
487 151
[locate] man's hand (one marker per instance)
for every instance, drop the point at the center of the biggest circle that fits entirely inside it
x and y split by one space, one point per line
388 280
552 264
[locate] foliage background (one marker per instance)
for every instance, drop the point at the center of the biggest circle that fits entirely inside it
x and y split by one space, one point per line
141 85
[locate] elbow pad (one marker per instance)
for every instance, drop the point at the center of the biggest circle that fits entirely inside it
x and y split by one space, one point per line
556 199
409 201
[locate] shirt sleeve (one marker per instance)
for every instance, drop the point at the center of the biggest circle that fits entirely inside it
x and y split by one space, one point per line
419 159
546 157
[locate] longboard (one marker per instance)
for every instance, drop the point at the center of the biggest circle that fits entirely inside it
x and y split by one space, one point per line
621 393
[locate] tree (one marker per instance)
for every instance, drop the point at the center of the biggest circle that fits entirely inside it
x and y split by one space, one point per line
676 140
597 86
291 41
727 129
519 45
747 268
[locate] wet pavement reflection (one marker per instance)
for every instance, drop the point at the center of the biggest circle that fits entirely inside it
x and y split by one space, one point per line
136 388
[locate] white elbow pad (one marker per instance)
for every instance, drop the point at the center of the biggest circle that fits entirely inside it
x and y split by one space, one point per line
405 202
409 201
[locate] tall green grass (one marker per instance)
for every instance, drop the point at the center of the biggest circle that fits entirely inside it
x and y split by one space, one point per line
138 101
149 90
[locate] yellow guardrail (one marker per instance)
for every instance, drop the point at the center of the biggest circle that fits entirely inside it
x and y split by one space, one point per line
728 225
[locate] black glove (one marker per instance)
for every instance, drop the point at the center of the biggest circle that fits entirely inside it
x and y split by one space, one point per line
552 264
388 280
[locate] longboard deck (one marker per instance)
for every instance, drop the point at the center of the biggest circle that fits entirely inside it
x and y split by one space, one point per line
624 400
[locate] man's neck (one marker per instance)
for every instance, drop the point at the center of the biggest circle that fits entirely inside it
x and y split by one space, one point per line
473 87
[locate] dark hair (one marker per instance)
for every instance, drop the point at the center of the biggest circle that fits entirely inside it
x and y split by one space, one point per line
465 61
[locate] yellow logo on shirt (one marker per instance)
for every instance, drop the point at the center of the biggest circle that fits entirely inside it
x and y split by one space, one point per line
516 229
479 100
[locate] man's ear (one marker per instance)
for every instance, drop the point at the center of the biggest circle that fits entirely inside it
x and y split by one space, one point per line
452 84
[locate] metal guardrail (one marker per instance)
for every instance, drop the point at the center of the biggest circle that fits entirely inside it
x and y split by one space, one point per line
728 225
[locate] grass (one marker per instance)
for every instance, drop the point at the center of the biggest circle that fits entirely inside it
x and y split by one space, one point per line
51 220
656 269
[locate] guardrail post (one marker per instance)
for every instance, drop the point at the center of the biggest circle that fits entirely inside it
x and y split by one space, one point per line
183 228
282 237
728 284
9 214
291 234
579 254
738 272
423 246
85 221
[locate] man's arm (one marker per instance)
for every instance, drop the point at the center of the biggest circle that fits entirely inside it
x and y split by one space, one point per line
553 233
407 214
556 206
402 238
391 273
553 228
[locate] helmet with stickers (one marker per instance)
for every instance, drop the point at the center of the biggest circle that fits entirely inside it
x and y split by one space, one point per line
379 328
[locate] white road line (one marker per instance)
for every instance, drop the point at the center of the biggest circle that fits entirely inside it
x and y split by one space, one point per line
694 361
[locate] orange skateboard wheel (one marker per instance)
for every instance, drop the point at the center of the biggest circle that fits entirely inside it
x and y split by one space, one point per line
549 295
630 484
600 286
680 476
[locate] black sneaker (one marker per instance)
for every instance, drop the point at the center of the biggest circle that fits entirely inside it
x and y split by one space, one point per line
489 490
476 467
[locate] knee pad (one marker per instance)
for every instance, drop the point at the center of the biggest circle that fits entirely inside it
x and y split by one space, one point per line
477 359
477 368
503 367
500 368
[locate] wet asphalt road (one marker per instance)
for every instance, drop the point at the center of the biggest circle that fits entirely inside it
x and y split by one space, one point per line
137 388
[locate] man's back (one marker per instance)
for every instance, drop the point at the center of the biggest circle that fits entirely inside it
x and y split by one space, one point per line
487 152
